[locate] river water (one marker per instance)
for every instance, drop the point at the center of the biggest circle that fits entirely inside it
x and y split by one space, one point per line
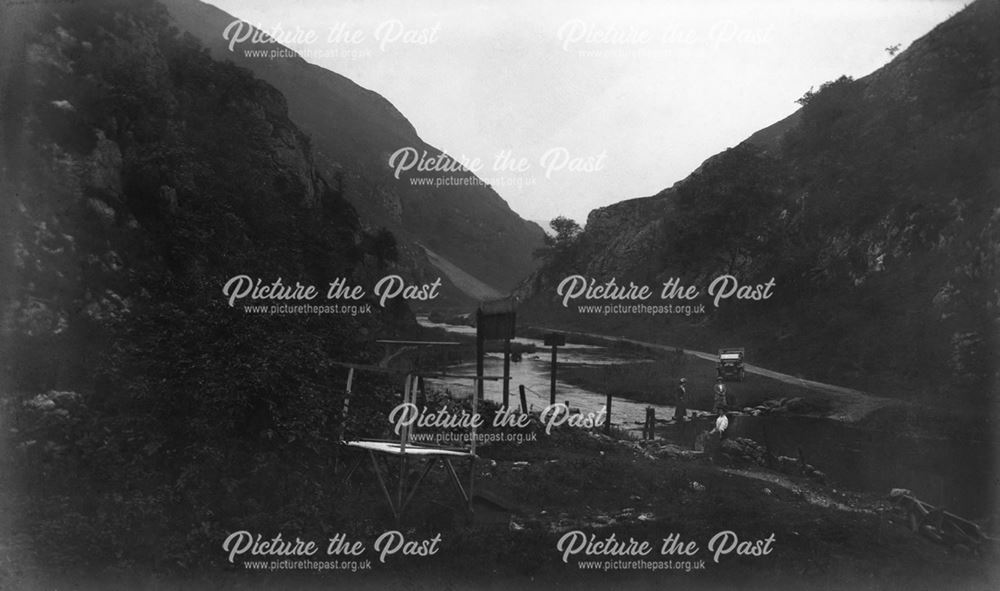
533 372
946 471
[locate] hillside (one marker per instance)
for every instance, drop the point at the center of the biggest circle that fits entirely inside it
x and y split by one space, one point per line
354 131
137 175
146 423
874 208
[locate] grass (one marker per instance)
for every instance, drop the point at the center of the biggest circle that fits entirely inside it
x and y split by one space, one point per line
573 480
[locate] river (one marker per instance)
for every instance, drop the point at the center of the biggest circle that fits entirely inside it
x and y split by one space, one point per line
533 372
956 473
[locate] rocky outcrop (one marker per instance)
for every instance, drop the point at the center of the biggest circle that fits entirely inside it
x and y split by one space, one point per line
142 165
623 235
873 207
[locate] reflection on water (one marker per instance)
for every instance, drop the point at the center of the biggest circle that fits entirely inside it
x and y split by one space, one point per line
533 373
955 474
471 332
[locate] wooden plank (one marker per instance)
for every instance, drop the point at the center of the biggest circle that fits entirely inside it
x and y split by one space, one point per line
400 342
465 377
369 367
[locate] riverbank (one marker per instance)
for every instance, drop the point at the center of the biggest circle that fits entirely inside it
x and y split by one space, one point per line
946 456
657 383
576 480
864 442
838 402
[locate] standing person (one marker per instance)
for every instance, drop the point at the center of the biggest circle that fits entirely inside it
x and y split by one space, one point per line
680 402
648 429
721 424
721 395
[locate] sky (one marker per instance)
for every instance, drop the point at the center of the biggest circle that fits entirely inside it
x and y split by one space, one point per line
570 106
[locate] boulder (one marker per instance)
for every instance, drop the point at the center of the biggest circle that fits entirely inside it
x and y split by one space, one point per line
743 450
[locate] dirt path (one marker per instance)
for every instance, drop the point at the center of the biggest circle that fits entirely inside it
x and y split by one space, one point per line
809 494
849 405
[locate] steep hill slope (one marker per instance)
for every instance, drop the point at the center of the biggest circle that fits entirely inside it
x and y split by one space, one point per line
354 131
874 208
137 175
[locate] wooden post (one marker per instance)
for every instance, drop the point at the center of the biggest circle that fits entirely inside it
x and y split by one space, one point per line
404 436
552 383
475 410
524 399
343 417
506 373
480 353
472 453
404 432
607 416
347 403
554 340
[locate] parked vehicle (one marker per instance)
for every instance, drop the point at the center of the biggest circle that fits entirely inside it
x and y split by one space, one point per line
731 364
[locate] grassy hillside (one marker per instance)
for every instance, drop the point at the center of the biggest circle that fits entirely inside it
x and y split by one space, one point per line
874 210
354 130
139 409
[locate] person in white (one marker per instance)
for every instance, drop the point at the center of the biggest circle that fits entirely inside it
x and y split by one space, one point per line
721 424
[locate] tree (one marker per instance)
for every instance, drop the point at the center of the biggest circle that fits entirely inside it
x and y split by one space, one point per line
566 231
558 252
728 215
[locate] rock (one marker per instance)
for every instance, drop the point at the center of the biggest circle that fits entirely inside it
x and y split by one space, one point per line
104 167
788 465
109 307
664 450
627 231
35 318
670 450
63 397
41 402
104 212
742 449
